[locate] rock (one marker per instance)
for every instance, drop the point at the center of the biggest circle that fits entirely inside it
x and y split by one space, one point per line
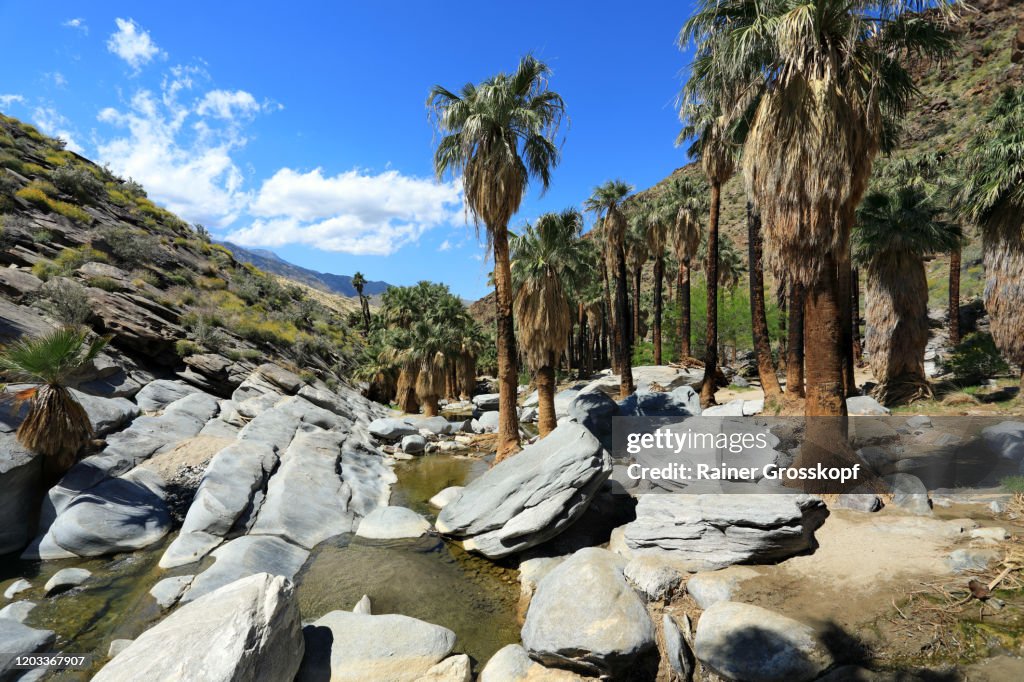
668 377
275 426
733 408
529 415
309 472
343 646
708 532
117 646
439 426
652 578
232 479
391 429
169 590
157 395
414 444
919 422
677 650
909 494
1005 439
15 588
740 382
862 502
512 664
872 432
452 669
65 579
446 496
18 610
752 407
487 422
992 534
487 402
529 498
17 639
363 606
585 616
746 642
118 515
20 473
711 587
390 523
865 405
594 411
961 560
106 414
244 557
248 630
17 283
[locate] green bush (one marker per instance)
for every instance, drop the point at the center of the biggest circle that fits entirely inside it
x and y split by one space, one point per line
75 180
976 359
130 248
66 300
105 283
184 348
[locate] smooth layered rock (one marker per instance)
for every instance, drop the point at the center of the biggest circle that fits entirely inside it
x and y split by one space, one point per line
746 642
232 479
677 648
391 429
652 577
585 616
446 496
20 473
452 669
17 639
487 402
711 587
414 444
865 406
18 610
244 557
513 664
1006 439
168 591
157 395
247 631
529 498
707 532
595 410
65 579
392 523
354 647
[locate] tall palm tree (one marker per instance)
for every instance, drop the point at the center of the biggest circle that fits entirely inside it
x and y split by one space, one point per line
499 135
821 78
897 228
358 282
709 123
56 426
547 268
993 198
637 253
605 202
689 200
758 315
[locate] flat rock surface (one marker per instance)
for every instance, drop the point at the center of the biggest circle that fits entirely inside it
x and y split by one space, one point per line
390 523
246 556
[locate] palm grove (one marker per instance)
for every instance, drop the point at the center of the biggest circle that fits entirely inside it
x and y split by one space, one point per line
803 99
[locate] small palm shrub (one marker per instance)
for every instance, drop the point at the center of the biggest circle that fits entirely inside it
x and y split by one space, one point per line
56 427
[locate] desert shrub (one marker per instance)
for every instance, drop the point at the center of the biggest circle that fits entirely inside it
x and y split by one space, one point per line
185 347
66 300
33 195
307 376
182 277
8 184
203 329
76 181
142 277
976 359
67 261
211 283
31 132
70 211
130 248
12 162
105 283
133 189
41 236
202 233
118 198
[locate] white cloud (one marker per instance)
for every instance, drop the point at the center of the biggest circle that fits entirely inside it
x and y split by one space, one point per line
132 44
77 23
353 212
51 122
7 100
58 78
226 104
446 245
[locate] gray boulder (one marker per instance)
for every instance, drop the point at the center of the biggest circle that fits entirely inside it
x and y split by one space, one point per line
248 630
18 610
439 426
391 523
244 557
17 639
487 422
169 590
747 642
909 493
708 532
733 408
711 587
351 647
17 587
585 616
865 405
65 579
529 498
679 402
391 429
446 496
594 411
1006 439
158 394
513 664
414 444
487 402
677 648
20 472
653 578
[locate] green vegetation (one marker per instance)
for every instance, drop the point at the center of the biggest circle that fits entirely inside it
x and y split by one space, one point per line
975 359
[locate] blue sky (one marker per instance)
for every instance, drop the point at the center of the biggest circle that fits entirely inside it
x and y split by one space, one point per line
301 127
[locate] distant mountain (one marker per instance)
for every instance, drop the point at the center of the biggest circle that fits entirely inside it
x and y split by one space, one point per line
271 262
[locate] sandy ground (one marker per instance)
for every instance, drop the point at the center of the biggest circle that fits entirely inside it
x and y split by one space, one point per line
194 452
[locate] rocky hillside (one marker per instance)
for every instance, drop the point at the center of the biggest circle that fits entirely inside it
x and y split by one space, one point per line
80 245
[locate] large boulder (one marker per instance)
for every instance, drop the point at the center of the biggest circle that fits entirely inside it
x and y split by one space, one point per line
391 523
749 643
391 429
595 410
1006 439
707 532
667 377
246 556
682 401
353 647
513 664
487 402
158 394
247 631
20 472
532 497
17 639
865 406
585 616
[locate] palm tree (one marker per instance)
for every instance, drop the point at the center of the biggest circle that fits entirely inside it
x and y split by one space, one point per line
897 228
636 257
820 79
689 201
605 202
498 135
758 315
56 426
547 266
358 281
716 144
993 198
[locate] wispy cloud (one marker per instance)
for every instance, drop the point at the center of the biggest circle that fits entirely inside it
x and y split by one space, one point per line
57 78
7 100
133 44
51 122
446 245
78 24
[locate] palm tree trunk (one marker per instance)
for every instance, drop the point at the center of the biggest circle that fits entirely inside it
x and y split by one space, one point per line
638 275
954 297
781 292
709 384
659 276
603 339
508 379
366 312
823 339
608 328
762 342
583 348
546 420
683 292
430 407
858 347
844 279
405 397
622 345
795 342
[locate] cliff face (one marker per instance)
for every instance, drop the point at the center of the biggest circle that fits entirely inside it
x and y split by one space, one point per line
82 246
